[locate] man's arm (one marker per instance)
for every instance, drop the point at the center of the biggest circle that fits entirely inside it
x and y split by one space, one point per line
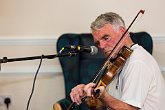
115 104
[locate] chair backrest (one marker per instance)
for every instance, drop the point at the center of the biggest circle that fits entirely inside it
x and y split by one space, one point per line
81 68
144 39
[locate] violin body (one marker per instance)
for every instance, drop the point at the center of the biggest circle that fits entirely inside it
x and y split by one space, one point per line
115 66
94 103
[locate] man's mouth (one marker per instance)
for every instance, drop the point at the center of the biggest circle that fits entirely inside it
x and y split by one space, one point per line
107 52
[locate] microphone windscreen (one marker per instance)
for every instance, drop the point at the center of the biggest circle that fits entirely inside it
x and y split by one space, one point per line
94 50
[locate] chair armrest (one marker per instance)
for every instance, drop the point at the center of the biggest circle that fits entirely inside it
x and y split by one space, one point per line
57 106
62 104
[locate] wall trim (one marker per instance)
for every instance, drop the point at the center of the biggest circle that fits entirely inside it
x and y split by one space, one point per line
48 40
30 69
158 39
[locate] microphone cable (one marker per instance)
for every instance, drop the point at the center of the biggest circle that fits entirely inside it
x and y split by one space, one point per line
34 81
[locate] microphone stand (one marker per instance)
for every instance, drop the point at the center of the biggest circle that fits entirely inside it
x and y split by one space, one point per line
5 59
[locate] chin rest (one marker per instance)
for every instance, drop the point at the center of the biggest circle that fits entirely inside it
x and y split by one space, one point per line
81 68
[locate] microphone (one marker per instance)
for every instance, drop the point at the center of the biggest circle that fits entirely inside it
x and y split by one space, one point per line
88 49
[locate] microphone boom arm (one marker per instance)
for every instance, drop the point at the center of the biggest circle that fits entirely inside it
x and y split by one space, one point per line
5 59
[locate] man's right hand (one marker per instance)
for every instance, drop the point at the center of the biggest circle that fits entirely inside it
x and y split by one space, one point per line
77 93
81 91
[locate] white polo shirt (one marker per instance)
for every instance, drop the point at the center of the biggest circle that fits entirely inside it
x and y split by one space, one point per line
140 82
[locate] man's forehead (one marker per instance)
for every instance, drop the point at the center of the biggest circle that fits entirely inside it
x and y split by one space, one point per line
102 31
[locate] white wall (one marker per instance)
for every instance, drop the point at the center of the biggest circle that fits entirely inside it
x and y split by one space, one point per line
31 28
55 17
48 89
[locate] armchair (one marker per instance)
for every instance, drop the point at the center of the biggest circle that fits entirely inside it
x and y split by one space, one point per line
81 68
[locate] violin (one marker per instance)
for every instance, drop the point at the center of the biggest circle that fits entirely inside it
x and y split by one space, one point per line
112 68
108 70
